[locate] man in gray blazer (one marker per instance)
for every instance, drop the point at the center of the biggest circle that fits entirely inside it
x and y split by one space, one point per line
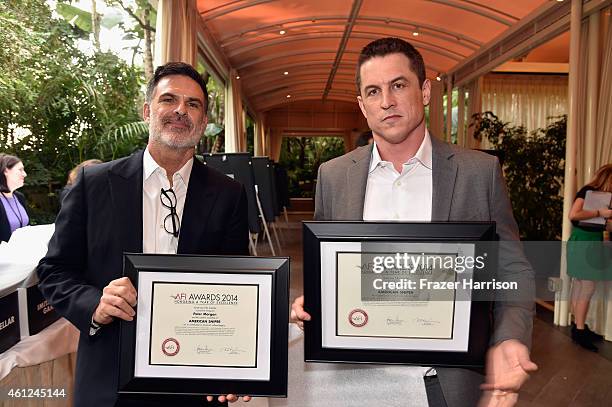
410 175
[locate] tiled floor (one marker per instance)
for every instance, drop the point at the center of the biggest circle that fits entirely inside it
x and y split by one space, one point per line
567 375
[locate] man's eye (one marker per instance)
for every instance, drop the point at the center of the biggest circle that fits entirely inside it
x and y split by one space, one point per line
372 92
399 85
194 105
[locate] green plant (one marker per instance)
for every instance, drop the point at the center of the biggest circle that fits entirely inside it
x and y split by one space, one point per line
534 166
59 106
301 156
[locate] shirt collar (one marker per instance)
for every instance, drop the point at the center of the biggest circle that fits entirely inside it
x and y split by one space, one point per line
149 166
423 154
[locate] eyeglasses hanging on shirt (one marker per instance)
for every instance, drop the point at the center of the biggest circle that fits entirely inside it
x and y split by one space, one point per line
172 223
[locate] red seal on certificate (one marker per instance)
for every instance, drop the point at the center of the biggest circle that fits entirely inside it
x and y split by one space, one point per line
170 347
358 318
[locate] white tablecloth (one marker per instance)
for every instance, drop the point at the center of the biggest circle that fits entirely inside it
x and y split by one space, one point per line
343 385
58 339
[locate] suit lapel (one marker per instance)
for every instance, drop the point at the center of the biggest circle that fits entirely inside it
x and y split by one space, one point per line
199 202
443 178
356 183
125 180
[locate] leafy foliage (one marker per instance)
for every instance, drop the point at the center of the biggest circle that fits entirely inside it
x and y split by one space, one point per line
534 166
58 106
301 156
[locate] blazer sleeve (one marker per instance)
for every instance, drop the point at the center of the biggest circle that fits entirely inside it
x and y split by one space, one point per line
320 213
513 311
62 271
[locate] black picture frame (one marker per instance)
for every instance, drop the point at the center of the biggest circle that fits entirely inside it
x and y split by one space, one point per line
277 267
316 232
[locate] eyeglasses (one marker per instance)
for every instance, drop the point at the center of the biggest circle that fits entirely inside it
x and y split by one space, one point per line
172 223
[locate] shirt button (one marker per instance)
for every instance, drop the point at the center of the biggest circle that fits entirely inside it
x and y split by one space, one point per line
398 183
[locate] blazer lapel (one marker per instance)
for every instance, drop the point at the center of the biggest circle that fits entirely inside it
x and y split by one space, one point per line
356 182
126 194
198 205
443 178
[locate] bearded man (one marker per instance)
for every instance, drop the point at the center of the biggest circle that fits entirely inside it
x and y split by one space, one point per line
160 200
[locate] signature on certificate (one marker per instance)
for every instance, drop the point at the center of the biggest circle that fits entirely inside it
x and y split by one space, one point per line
230 350
395 321
426 321
203 350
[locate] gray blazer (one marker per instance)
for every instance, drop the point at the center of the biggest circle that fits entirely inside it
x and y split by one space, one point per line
467 186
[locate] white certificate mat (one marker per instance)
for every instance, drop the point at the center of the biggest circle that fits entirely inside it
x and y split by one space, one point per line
349 322
203 326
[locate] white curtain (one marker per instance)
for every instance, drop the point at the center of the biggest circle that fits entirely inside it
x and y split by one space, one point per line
600 311
526 100
234 124
603 154
175 36
580 116
259 136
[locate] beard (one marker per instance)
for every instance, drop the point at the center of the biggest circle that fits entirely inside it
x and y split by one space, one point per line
161 130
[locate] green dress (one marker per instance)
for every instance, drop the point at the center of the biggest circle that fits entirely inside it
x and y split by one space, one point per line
588 258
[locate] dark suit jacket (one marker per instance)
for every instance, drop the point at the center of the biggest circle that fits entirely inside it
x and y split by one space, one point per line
467 186
101 217
5 228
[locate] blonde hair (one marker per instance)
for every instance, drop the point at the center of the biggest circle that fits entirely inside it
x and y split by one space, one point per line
72 175
603 179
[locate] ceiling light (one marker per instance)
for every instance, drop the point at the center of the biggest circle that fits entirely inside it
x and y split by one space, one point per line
237 76
286 73
415 33
438 78
282 32
288 96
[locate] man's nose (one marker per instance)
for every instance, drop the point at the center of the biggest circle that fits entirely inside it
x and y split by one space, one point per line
387 100
181 108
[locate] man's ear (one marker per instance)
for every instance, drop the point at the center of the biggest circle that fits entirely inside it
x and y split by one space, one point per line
146 112
426 91
361 106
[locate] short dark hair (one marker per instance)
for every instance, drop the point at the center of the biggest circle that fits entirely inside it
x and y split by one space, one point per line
176 68
6 162
391 45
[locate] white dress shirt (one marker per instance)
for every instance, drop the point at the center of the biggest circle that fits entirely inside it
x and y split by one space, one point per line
155 239
403 197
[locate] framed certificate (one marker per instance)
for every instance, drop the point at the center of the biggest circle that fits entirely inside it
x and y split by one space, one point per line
206 325
389 292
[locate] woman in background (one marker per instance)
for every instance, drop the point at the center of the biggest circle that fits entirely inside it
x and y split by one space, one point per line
13 214
587 262
72 177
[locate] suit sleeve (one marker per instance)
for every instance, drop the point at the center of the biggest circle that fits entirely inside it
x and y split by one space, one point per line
513 311
61 272
319 213
237 235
